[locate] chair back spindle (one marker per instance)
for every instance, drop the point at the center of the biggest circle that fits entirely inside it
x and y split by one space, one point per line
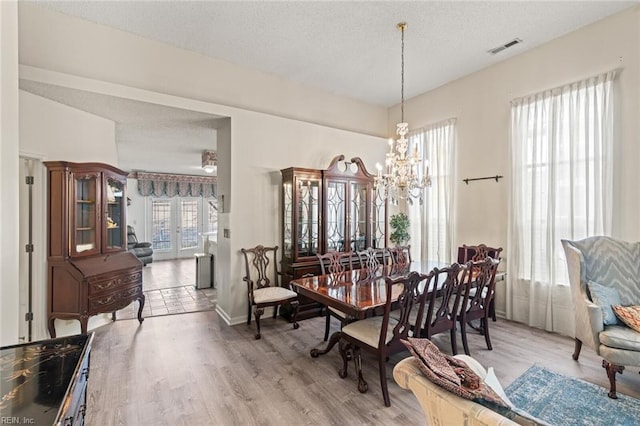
370 258
399 255
335 261
477 253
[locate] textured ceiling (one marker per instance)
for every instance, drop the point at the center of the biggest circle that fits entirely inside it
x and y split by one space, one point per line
149 137
346 47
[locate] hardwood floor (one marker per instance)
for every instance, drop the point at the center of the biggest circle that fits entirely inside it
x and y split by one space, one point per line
193 369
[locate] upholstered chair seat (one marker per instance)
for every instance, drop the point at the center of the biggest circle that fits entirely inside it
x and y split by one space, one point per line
368 330
272 294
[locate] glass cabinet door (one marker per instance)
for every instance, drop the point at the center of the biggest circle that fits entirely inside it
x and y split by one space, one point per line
115 232
85 215
358 216
287 231
335 220
378 221
308 210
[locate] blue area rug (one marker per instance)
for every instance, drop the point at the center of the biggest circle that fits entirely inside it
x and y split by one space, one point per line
564 401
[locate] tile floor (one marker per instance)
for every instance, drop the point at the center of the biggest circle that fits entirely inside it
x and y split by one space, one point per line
169 287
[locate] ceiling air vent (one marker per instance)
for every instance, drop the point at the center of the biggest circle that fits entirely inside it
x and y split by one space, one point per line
505 46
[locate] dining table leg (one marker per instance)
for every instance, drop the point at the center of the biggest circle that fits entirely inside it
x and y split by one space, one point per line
333 340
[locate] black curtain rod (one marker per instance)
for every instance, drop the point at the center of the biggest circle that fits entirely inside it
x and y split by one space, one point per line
496 177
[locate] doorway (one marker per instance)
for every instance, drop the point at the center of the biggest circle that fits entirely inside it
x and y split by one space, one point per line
179 225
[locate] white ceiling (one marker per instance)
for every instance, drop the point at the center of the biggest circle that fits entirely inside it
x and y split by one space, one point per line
149 137
347 47
344 47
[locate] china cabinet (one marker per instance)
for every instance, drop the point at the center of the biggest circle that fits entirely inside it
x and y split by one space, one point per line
336 209
351 220
89 270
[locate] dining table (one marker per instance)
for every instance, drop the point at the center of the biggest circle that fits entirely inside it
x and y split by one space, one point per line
357 293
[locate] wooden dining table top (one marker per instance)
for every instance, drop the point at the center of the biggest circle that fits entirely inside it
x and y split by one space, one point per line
357 291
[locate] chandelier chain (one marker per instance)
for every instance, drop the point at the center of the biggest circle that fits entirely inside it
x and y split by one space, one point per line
402 27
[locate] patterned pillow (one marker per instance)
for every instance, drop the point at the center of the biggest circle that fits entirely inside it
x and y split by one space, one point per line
605 297
630 315
451 374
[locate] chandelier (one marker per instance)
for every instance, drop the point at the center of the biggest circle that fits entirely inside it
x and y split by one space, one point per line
401 178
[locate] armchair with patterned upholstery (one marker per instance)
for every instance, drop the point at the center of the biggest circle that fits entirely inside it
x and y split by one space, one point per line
604 272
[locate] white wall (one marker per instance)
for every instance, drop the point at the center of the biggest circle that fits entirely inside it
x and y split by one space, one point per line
261 146
70 45
9 131
58 132
480 101
481 104
52 131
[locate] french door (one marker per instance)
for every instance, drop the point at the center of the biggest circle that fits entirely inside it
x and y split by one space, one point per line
176 227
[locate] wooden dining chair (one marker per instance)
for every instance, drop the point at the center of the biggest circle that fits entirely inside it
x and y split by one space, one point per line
440 303
381 335
399 255
263 288
479 288
335 262
476 254
370 258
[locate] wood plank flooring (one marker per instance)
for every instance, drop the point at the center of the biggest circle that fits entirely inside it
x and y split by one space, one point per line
193 369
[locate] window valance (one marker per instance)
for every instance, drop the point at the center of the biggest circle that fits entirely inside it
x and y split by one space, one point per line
170 185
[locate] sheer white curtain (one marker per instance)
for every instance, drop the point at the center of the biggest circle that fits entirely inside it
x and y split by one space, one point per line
431 226
561 154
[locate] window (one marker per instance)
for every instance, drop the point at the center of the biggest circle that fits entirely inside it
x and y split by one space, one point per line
189 223
561 143
431 227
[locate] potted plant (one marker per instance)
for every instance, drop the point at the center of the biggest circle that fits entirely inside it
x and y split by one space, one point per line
400 225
